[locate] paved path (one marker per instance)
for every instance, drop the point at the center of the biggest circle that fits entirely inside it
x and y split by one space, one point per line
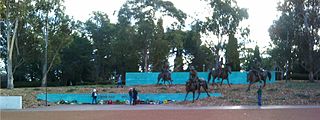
163 112
155 107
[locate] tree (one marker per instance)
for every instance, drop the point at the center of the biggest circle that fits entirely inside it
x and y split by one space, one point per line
246 60
256 53
177 39
76 61
296 31
102 33
225 19
159 49
232 53
9 5
143 13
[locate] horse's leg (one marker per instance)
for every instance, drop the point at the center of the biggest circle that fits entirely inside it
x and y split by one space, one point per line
193 92
158 80
213 81
186 96
221 81
228 82
205 89
199 92
249 86
264 83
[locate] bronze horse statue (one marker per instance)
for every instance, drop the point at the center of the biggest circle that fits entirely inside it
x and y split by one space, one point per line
165 77
196 85
252 77
224 74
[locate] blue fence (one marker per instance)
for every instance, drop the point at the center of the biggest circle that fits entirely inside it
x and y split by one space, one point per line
149 78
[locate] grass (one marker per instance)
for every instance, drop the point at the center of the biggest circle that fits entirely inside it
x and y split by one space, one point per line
303 96
36 89
299 85
71 90
279 93
272 89
235 100
235 89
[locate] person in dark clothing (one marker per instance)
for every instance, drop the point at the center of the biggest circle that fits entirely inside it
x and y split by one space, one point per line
130 96
134 96
119 81
94 96
259 92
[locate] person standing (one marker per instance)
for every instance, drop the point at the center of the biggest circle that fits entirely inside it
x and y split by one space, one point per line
119 81
259 92
94 96
130 96
134 96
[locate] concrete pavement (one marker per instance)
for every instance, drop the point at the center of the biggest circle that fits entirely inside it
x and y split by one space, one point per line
157 107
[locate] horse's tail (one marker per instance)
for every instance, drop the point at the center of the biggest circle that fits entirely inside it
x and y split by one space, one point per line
269 75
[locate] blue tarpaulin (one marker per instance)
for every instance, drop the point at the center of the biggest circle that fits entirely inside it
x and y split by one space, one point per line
86 98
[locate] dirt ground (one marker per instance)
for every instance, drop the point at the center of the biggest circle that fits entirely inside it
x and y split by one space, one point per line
294 92
248 114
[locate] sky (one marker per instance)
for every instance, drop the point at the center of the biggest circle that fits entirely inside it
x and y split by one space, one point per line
262 13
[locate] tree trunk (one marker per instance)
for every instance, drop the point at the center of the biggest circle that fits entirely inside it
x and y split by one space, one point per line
45 64
10 47
10 84
311 76
145 56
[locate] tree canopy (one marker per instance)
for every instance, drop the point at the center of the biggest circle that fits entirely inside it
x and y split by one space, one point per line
93 51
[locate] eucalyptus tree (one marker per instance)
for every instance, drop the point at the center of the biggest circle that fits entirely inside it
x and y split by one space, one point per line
297 33
224 21
126 57
177 39
101 32
14 13
76 64
159 49
143 14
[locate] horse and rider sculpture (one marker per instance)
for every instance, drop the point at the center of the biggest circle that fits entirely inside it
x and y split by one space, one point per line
220 72
256 74
194 84
165 75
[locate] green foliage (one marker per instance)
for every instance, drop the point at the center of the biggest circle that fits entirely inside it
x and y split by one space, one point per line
232 53
235 100
143 15
224 21
247 60
159 49
256 54
102 33
295 35
76 61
